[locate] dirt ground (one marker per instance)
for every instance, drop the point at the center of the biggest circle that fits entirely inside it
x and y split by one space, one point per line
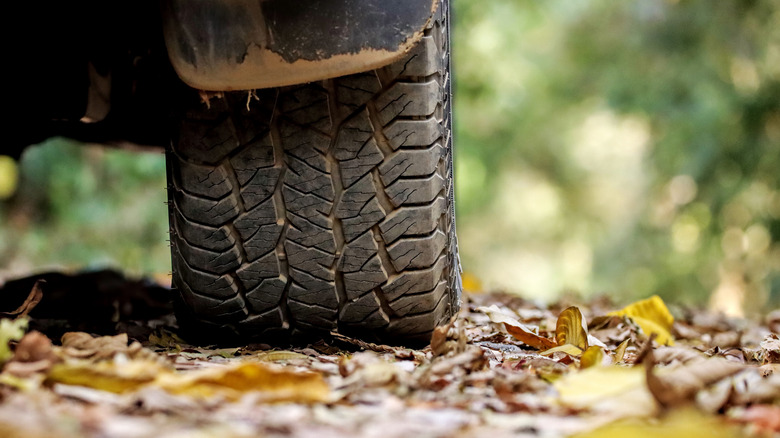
98 355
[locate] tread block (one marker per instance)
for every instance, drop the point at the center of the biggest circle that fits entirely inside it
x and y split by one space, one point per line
423 60
209 261
206 211
305 144
355 198
421 323
252 274
306 105
417 252
308 234
262 214
263 241
357 253
214 309
413 282
307 180
355 91
215 286
312 208
371 276
312 316
415 191
353 135
207 141
271 319
213 238
410 163
402 133
267 295
311 260
419 303
368 157
359 309
407 221
258 155
371 214
308 289
408 99
260 187
209 181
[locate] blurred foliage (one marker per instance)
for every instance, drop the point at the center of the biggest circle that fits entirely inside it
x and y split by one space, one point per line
628 148
620 147
86 206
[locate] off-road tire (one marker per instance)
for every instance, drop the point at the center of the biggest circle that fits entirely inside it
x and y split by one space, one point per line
322 207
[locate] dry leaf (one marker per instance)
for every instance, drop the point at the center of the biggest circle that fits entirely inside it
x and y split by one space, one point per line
652 316
516 329
680 385
686 423
107 375
594 356
32 300
274 383
276 356
10 330
571 330
614 391
32 355
620 351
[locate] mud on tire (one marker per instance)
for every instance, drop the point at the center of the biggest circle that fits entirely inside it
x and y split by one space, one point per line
321 207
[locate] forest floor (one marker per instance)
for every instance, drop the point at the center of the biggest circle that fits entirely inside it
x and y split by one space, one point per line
97 355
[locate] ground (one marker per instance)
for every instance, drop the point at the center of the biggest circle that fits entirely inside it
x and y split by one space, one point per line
98 355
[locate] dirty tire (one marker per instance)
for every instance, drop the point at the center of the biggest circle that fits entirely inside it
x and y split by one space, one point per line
303 210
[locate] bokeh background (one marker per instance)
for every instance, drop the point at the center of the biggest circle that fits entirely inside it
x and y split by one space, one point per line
602 147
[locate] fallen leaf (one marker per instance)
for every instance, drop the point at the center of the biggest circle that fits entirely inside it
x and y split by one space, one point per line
680 385
652 316
594 356
571 330
620 351
766 418
275 384
276 356
33 354
82 345
686 423
614 391
565 348
111 376
516 329
10 330
32 300
770 349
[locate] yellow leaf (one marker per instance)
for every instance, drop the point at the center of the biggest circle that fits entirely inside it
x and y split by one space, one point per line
10 330
471 283
516 329
566 348
620 351
652 316
9 177
612 391
570 330
107 375
275 383
683 423
593 356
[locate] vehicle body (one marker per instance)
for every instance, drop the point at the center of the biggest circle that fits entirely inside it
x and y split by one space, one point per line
308 146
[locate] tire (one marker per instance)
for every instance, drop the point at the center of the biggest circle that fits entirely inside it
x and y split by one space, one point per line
303 210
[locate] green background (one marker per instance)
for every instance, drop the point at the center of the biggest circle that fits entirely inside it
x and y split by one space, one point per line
626 148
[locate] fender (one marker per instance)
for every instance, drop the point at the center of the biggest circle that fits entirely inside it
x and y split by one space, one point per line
219 45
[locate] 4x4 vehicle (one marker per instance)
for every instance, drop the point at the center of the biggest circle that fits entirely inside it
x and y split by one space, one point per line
308 145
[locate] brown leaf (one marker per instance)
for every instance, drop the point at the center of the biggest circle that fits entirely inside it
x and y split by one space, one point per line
570 329
516 329
82 345
32 300
680 385
33 354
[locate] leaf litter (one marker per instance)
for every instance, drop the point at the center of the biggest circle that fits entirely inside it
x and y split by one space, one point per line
503 367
